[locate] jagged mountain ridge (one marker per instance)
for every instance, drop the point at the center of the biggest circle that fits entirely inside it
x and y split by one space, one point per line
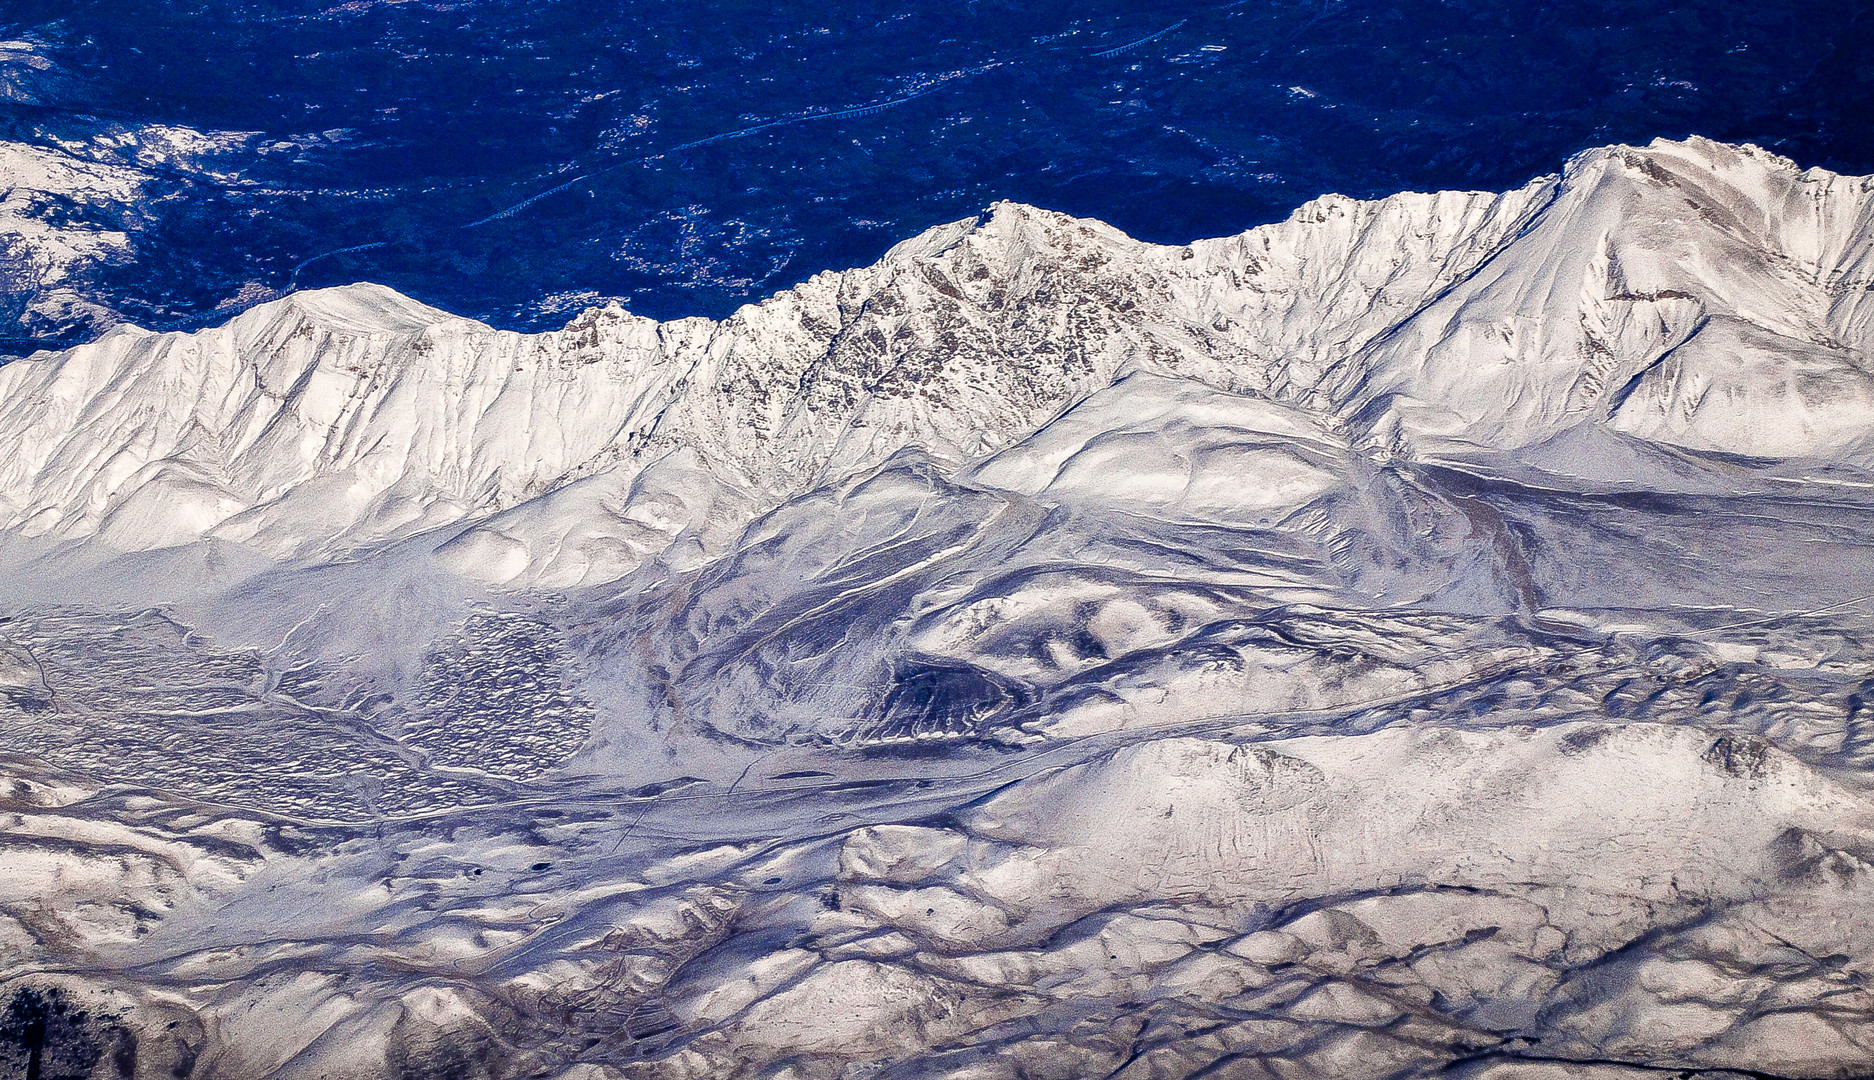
1421 639
1689 294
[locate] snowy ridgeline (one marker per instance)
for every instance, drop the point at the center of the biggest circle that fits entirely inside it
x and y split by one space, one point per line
1423 637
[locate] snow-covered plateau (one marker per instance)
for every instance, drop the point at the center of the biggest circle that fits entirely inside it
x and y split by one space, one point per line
1423 637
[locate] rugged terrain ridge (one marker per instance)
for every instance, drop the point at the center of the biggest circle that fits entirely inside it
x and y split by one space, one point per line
1691 295
1422 637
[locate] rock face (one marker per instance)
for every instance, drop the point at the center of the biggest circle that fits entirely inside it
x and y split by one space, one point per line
1422 637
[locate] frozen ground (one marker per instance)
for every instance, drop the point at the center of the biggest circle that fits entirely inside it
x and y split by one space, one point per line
1424 637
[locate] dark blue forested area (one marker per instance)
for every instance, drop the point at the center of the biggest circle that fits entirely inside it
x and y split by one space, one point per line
696 156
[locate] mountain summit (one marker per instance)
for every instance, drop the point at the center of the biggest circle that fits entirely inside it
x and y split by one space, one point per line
1421 638
1691 295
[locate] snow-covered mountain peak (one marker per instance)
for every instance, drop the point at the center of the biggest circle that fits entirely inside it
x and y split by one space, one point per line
1404 640
1664 292
1691 294
361 307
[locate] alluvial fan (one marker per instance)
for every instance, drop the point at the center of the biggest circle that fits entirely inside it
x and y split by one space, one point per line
1423 637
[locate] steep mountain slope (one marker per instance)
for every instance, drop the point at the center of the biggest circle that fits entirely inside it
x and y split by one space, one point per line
1695 295
1423 638
1644 291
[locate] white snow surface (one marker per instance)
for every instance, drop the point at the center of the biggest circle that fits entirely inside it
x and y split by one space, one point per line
1692 295
1423 637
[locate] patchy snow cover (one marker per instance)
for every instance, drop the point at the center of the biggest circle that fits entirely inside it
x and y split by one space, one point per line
74 206
42 247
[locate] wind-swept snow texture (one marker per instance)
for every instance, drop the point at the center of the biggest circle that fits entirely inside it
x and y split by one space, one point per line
1424 637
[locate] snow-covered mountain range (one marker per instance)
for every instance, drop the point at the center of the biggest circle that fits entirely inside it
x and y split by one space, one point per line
1691 296
1421 637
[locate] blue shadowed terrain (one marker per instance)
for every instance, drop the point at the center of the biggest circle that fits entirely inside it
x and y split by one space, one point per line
518 161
